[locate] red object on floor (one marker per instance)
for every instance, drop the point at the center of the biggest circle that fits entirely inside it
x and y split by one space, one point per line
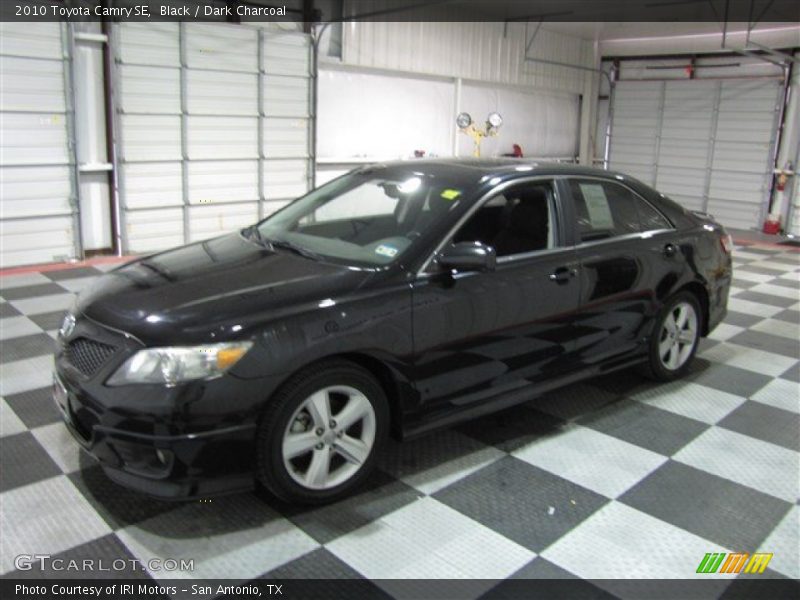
772 226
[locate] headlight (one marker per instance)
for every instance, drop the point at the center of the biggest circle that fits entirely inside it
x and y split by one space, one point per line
179 363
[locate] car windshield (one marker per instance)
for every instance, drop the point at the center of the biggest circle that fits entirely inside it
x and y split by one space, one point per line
361 218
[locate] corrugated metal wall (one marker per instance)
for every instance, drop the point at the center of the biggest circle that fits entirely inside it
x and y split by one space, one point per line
37 185
214 128
706 143
487 52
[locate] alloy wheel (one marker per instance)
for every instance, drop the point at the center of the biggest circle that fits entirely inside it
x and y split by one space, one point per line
329 437
678 336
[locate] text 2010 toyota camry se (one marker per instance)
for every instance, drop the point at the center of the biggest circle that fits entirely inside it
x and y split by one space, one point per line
395 299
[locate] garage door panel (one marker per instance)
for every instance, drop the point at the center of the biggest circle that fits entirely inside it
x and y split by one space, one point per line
31 241
211 221
32 85
226 181
215 92
726 126
285 97
285 179
149 43
151 137
152 184
285 138
151 230
222 137
30 191
40 40
222 47
29 138
150 90
286 54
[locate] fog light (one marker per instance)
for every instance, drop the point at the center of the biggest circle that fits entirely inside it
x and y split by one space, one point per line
162 456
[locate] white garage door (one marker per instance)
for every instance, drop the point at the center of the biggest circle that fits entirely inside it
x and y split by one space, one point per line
38 222
705 143
213 123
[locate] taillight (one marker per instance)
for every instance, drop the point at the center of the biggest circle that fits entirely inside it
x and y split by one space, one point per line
727 243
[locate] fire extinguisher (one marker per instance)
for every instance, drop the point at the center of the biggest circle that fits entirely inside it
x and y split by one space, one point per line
773 223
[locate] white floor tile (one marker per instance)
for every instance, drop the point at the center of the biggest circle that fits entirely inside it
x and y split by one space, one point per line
752 308
780 393
13 327
778 327
60 445
43 304
620 542
725 331
751 359
223 538
594 460
47 517
9 421
776 290
691 400
23 279
428 540
28 374
76 284
760 465
784 543
748 276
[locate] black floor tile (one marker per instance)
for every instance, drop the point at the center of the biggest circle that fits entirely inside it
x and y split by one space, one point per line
768 342
714 508
50 320
767 299
33 291
35 407
6 310
646 426
725 378
23 461
382 495
27 346
789 315
741 319
72 273
524 503
511 428
107 557
118 506
767 423
318 564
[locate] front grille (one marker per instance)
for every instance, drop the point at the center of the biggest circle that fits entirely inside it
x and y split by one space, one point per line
88 355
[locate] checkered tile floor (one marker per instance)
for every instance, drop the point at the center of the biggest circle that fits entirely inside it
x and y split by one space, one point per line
614 478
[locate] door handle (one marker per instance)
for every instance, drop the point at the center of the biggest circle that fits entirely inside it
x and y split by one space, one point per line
670 250
562 275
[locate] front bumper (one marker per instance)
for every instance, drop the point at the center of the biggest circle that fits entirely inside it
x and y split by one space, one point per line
188 441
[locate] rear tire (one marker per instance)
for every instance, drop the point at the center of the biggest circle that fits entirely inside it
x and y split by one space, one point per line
675 338
320 434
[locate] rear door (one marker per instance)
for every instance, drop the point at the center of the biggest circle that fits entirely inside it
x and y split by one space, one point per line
629 256
479 335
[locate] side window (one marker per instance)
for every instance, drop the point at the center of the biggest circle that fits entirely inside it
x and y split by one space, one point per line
517 221
650 218
605 209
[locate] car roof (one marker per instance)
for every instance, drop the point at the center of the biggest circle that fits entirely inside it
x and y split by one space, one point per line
506 168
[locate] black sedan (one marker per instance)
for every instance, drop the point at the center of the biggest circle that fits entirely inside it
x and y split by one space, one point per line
396 299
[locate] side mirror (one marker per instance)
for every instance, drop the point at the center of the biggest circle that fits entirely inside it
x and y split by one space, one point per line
468 256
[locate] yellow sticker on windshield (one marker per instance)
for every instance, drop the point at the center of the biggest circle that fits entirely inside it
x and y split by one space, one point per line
450 194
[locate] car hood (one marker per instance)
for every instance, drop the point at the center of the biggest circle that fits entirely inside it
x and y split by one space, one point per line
216 289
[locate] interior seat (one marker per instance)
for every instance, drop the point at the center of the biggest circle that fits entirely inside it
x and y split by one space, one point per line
528 225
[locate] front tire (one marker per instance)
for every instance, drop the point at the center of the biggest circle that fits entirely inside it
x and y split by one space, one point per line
675 338
320 434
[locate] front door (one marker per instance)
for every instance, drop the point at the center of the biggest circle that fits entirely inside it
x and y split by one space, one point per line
480 335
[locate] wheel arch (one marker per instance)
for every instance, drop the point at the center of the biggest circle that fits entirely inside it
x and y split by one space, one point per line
701 293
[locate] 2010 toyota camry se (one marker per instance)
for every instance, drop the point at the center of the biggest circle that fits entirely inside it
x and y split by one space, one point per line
396 299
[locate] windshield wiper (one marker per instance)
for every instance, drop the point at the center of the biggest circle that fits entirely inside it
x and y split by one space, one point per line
255 234
292 247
